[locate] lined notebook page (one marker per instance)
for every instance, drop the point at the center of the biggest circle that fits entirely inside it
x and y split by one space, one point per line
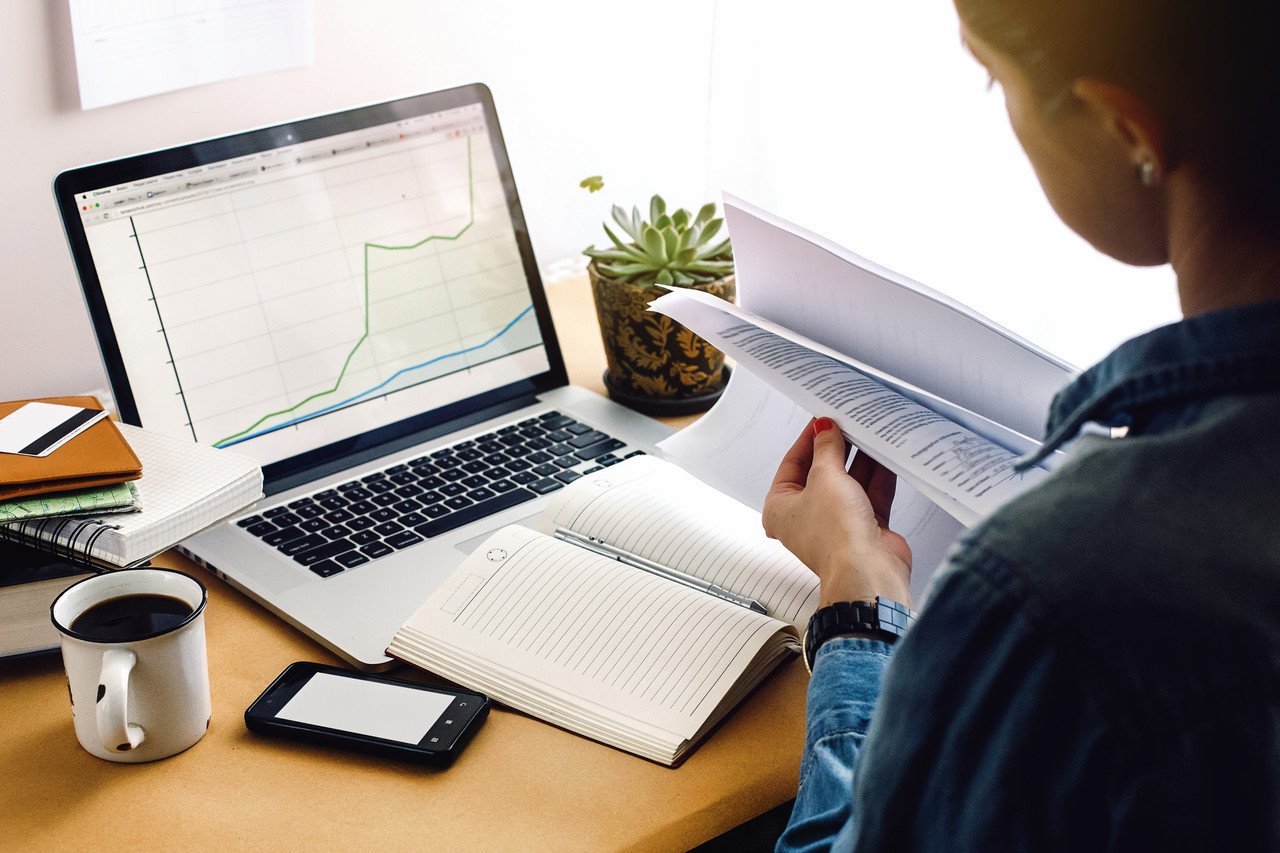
658 511
185 487
571 622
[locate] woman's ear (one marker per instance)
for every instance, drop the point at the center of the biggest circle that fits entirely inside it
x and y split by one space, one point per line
1134 125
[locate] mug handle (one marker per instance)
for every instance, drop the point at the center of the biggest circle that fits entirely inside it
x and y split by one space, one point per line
115 731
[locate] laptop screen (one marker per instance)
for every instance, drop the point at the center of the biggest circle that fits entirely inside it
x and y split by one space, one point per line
291 288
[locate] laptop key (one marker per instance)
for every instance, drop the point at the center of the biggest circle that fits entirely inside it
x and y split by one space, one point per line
608 459
314 525
497 474
310 511
346 487
327 493
480 494
406 506
518 465
364 537
560 449
600 448
567 476
322 552
337 532
250 521
503 486
262 528
397 469
580 441
297 546
374 550
474 467
545 470
546 416
634 453
275 510
560 435
454 520
593 469
436 511
386 499
361 523
326 568
411 519
362 507
539 457
380 486
338 516
459 502
404 540
475 481
577 429
453 474
383 514
358 494
388 528
567 461
557 422
351 559
334 503
537 444
404 478
546 485
512 440
431 497
450 490
283 535
525 477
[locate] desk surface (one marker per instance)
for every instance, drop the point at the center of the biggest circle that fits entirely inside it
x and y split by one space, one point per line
521 784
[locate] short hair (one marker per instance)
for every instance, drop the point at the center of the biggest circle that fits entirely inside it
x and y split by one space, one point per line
1210 67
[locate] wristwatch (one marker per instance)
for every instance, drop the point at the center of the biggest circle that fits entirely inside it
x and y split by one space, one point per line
886 618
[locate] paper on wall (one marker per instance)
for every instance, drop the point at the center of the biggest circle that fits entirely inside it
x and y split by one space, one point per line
128 49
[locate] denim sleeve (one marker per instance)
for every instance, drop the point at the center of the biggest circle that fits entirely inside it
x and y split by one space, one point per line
981 737
842 694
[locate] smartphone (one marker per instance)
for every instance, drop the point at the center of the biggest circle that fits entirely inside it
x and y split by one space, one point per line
383 716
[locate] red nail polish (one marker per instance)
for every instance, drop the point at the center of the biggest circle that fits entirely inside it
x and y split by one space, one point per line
822 425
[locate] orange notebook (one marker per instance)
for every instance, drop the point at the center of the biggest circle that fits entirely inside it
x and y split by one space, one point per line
99 456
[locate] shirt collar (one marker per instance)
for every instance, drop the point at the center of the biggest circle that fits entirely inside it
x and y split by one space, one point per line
1235 350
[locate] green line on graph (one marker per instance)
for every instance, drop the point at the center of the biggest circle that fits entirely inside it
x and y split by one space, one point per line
471 193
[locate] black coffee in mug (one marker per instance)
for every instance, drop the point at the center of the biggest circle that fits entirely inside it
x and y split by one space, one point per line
131 617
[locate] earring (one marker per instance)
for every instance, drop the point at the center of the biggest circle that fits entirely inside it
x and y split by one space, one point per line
1147 173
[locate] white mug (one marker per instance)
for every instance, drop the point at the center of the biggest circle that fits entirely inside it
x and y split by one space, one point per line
143 695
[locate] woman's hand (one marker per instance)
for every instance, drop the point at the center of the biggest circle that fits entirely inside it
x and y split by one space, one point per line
836 521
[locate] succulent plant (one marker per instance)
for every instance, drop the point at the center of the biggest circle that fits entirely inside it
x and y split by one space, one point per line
672 249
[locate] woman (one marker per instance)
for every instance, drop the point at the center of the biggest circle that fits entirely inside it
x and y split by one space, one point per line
1099 664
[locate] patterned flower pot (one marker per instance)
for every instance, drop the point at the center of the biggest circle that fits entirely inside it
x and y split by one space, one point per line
656 365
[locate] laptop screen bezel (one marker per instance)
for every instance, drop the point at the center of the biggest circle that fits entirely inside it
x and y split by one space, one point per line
72 182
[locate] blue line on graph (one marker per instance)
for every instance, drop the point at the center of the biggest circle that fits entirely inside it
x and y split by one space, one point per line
380 385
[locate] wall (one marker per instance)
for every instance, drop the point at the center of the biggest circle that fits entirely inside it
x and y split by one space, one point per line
862 120
577 85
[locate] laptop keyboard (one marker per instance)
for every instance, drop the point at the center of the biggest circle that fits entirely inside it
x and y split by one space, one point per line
378 514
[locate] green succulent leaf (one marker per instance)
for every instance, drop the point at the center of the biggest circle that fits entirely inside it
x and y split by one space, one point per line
714 251
670 242
664 277
662 222
620 217
711 229
708 210
680 219
653 243
681 279
657 207
687 256
629 248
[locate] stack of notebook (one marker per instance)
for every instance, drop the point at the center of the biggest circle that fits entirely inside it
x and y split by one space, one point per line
109 497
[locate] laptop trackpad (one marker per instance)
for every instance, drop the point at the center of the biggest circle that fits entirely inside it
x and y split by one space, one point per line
469 545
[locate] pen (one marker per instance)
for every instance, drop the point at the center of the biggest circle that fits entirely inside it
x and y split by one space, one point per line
606 550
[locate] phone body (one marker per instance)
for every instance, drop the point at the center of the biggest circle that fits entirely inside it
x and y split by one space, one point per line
367 713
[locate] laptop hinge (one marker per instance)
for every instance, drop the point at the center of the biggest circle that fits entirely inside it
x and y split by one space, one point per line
358 457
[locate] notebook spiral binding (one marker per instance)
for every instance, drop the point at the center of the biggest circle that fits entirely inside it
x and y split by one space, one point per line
47 534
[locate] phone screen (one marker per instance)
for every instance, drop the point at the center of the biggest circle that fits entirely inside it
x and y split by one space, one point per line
371 708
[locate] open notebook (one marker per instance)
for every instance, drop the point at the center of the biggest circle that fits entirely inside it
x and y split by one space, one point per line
185 487
604 648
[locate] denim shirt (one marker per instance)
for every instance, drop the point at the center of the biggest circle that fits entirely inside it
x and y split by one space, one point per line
1098 664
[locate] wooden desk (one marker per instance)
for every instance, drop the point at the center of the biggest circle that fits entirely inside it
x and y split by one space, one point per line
520 785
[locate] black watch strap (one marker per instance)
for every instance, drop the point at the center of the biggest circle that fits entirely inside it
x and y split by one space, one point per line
884 617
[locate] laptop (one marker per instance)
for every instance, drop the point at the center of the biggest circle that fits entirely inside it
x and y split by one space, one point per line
351 299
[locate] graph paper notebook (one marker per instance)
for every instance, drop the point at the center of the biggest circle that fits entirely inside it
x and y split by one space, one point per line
185 487
601 646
